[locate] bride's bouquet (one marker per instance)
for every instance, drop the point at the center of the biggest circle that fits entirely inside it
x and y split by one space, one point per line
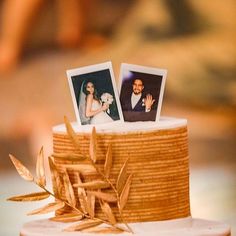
108 99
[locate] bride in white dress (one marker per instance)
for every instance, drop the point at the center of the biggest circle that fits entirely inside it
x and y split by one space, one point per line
92 111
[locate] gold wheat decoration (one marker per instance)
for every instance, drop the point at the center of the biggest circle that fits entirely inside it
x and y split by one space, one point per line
83 209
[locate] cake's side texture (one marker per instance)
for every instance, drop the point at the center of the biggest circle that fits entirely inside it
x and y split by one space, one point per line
158 160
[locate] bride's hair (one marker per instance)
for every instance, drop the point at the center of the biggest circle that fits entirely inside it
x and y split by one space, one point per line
86 92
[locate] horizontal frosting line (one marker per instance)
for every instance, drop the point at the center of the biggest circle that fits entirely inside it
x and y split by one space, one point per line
89 168
118 162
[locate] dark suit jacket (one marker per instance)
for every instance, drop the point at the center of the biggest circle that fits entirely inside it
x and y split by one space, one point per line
138 112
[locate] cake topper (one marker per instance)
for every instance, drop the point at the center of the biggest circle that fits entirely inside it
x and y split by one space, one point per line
141 92
94 94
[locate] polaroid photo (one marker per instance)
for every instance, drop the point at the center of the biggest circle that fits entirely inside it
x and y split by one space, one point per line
141 92
94 94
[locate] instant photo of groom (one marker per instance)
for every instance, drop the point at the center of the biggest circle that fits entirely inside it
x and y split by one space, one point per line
141 93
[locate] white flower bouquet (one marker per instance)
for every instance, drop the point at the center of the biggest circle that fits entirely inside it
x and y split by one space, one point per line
107 98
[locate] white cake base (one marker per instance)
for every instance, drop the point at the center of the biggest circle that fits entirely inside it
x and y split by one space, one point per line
180 227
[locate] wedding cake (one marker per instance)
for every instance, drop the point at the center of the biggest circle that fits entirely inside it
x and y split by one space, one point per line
121 168
145 163
157 159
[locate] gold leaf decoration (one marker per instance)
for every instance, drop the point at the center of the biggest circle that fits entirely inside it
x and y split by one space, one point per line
69 217
125 193
108 212
30 197
93 145
96 184
108 162
48 208
91 205
81 195
122 177
69 156
104 230
71 133
84 209
55 178
69 192
82 168
83 225
109 197
84 204
41 178
21 169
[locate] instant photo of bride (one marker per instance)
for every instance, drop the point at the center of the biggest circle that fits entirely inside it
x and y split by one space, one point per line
94 94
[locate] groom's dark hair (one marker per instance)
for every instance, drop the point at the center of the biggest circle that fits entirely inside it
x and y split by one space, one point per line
137 78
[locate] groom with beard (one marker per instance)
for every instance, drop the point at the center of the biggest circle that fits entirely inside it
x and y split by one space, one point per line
136 105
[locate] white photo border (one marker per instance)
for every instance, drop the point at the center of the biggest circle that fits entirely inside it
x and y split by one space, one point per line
88 69
147 70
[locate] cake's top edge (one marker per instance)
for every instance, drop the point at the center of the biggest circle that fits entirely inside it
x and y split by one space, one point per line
125 127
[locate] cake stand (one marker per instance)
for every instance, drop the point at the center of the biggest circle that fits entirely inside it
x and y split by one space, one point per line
180 227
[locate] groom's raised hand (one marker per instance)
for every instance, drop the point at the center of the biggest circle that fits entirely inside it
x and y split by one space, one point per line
148 102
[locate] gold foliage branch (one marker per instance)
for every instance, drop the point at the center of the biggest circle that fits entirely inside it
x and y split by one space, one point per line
83 209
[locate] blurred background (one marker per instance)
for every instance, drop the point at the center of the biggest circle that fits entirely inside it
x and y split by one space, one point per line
194 40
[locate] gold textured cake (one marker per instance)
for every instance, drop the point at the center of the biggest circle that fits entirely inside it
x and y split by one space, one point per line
157 159
117 178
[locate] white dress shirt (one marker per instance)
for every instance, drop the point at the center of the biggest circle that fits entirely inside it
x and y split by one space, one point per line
134 99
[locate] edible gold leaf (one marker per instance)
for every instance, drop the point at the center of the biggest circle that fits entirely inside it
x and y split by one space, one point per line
21 169
125 193
84 203
108 212
40 173
104 230
70 217
69 192
83 225
71 133
30 197
96 184
81 195
93 145
91 205
104 196
108 161
56 180
122 177
69 156
48 208
83 169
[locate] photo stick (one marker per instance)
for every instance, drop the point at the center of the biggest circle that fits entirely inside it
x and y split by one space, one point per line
141 92
94 94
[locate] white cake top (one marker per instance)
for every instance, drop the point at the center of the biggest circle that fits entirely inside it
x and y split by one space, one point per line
125 127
